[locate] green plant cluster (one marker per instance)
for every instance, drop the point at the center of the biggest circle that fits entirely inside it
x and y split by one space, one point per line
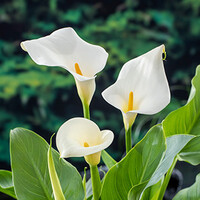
38 172
40 98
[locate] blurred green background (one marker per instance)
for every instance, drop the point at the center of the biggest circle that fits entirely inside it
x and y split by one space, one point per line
41 98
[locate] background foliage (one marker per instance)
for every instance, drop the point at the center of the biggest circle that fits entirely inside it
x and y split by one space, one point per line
42 98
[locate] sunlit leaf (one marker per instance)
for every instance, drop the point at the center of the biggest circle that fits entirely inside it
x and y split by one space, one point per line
186 120
30 169
137 166
191 152
6 184
174 145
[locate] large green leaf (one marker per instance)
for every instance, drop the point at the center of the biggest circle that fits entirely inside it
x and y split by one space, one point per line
175 144
30 169
190 193
186 120
137 166
6 184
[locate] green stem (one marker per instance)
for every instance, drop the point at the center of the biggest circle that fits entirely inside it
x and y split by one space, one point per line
128 139
96 182
86 110
167 178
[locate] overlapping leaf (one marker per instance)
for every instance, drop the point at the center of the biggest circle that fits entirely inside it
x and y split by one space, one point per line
186 120
174 145
191 193
191 152
137 167
30 169
6 184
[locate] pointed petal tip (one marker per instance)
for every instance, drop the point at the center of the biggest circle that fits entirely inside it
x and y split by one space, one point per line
22 46
105 93
64 29
163 47
70 28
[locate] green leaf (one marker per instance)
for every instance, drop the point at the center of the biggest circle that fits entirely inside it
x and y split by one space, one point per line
191 152
174 145
186 120
30 169
6 184
135 191
89 191
190 193
57 190
152 192
89 198
137 166
107 159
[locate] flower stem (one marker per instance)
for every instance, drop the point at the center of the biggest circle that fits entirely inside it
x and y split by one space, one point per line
167 178
128 139
86 110
96 182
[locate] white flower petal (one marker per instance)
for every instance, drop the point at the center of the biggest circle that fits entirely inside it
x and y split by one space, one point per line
64 48
117 94
145 77
75 132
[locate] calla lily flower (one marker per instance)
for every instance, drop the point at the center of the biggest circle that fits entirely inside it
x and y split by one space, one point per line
64 48
141 87
79 137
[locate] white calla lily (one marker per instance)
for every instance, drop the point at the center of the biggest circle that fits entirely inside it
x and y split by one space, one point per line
79 137
64 48
141 87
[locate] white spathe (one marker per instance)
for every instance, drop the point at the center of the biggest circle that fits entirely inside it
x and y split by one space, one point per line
79 137
145 77
64 48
